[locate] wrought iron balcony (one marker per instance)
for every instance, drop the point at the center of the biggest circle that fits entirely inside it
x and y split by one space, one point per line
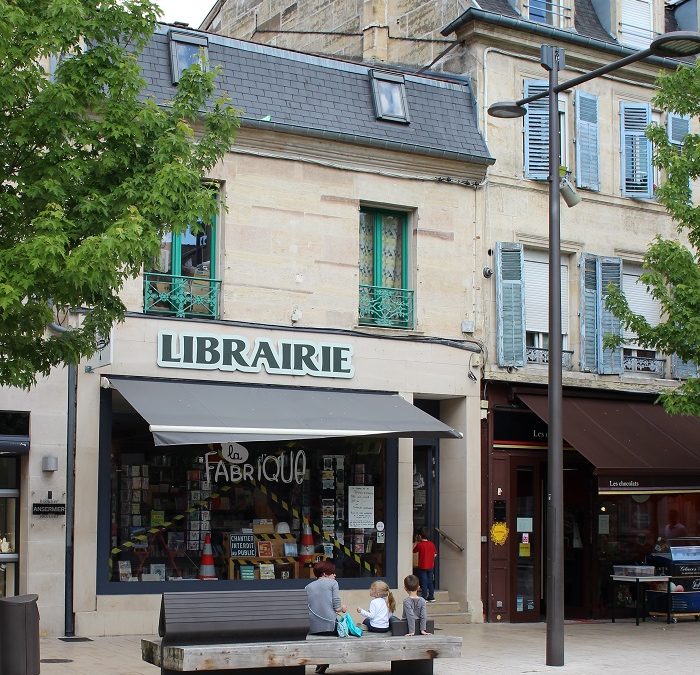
388 307
541 356
644 364
181 296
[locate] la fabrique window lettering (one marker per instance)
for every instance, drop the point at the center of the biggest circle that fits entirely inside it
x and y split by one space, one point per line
235 353
287 467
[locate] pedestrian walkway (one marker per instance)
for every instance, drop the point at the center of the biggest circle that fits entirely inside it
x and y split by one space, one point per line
652 648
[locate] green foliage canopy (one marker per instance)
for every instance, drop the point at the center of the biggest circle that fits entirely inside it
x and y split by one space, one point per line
92 175
671 269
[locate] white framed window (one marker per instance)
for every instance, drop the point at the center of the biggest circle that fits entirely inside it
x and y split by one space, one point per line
556 13
186 49
636 23
640 301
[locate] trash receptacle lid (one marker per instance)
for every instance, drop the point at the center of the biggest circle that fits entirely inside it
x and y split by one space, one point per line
21 599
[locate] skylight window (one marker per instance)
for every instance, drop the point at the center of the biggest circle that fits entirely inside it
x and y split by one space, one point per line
389 96
186 49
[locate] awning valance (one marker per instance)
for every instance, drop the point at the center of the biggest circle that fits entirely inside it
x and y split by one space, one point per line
634 445
183 412
14 445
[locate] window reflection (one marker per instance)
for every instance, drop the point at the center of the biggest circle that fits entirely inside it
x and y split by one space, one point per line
390 99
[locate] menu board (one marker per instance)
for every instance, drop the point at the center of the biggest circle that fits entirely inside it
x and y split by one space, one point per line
243 546
361 506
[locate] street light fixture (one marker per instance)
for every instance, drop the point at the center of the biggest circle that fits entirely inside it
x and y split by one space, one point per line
677 44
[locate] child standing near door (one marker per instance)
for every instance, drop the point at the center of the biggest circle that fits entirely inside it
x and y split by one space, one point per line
426 565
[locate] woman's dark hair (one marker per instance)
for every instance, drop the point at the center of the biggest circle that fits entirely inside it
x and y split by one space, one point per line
323 567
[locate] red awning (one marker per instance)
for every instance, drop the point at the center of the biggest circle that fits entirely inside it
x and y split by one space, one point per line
634 446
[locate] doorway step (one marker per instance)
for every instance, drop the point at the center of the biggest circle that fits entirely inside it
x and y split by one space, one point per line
444 611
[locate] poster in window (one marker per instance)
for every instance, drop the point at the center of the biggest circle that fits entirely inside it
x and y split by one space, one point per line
265 549
361 506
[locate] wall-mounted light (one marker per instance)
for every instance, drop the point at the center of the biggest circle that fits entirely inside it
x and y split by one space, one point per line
49 463
568 193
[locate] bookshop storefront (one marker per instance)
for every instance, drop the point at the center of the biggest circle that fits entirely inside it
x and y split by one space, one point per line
243 484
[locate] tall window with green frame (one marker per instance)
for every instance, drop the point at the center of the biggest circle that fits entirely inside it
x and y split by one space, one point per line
182 279
385 299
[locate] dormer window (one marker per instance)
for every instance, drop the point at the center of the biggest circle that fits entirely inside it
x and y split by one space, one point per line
186 49
389 96
549 12
636 23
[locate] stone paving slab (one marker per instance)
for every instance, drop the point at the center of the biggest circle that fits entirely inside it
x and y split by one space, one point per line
652 648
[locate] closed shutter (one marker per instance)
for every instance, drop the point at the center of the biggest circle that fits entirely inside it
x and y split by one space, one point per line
537 293
587 141
588 313
678 128
537 132
635 148
640 301
510 306
636 26
609 272
682 370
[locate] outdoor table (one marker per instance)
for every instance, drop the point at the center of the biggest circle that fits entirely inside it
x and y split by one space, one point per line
620 578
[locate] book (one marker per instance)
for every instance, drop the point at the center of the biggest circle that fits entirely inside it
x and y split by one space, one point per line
267 571
290 549
265 550
158 569
247 572
124 570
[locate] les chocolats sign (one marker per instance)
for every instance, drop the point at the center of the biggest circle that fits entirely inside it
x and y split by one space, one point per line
236 353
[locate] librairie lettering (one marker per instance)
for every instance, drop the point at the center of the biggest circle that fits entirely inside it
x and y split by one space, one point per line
235 353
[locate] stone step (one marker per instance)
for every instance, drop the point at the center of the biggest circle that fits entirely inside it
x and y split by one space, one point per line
450 618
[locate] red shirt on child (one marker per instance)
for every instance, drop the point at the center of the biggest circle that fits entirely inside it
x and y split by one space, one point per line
426 554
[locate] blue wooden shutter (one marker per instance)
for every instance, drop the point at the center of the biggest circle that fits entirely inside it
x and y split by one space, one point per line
537 132
609 271
588 313
682 370
587 175
678 127
635 150
510 305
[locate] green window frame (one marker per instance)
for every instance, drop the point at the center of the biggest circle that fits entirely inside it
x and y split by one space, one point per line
182 280
385 298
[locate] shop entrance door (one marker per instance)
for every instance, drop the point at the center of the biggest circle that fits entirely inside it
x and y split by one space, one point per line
425 477
526 540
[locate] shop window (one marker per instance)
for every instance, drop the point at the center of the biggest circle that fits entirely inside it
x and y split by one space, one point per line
182 280
186 49
385 299
9 523
270 509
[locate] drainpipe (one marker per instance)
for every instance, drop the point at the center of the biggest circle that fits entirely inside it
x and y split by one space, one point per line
72 402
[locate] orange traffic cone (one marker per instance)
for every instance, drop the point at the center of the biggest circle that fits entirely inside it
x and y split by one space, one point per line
207 571
306 552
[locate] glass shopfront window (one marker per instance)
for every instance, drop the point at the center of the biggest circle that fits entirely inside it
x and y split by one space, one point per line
269 509
9 520
632 527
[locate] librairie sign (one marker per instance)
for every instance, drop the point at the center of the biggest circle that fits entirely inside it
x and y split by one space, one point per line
235 353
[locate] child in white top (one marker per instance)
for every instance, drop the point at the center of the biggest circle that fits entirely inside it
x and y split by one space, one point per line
382 606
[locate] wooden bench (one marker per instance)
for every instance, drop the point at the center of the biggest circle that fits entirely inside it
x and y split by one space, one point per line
256 632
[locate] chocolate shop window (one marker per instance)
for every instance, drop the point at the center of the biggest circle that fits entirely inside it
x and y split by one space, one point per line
244 512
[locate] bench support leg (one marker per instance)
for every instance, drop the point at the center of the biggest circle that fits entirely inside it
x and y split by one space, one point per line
417 667
286 670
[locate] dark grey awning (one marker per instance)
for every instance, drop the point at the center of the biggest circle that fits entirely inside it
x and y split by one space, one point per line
14 445
181 413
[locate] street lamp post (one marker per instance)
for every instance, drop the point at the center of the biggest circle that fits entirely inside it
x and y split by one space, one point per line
677 44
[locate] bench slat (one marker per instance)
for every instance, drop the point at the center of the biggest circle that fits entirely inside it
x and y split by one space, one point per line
312 651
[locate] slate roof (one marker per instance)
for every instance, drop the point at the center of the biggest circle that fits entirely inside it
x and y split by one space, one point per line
327 98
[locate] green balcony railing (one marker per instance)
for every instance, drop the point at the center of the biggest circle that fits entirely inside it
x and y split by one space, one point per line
388 307
171 295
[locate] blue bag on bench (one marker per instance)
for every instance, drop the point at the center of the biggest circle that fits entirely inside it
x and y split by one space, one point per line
351 628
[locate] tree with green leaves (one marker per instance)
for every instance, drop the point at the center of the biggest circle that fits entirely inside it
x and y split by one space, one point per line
671 269
92 174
